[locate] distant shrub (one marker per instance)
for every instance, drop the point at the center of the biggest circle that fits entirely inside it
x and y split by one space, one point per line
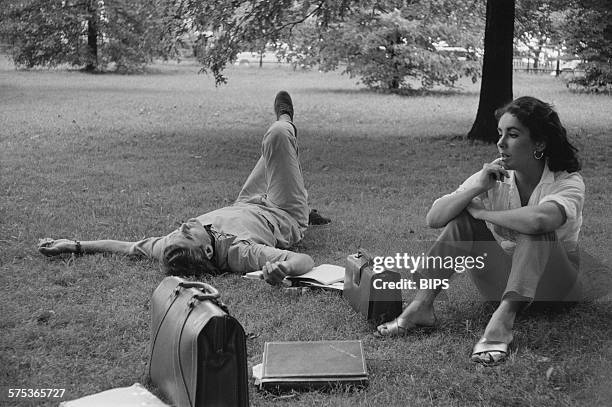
597 78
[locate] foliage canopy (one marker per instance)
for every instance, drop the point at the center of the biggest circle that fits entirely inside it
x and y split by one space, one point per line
388 49
582 28
391 44
383 42
90 33
588 28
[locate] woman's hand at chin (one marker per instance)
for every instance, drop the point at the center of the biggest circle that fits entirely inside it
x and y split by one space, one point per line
491 173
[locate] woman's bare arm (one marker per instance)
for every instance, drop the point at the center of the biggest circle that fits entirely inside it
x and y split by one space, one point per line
531 220
448 207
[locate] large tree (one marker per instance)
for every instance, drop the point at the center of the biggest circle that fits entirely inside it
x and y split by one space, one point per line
496 85
89 33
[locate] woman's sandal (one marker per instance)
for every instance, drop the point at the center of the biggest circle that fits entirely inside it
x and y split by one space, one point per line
393 329
490 353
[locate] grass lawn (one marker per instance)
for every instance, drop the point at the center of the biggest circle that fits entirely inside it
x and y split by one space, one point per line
106 156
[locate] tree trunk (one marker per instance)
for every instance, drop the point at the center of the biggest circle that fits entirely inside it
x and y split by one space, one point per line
394 83
496 85
92 37
537 51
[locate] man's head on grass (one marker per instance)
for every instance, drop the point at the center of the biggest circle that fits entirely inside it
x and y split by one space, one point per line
189 250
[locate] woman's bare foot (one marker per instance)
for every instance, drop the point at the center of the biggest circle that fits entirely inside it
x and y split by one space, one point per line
416 315
493 346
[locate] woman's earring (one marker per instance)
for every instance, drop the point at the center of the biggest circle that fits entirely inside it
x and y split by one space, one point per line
538 154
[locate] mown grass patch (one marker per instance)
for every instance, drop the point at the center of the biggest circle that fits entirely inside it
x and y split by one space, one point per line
109 156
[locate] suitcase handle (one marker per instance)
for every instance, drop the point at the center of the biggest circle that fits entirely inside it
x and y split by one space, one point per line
209 292
368 261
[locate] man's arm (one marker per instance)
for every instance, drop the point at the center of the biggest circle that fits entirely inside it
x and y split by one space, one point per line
51 247
296 264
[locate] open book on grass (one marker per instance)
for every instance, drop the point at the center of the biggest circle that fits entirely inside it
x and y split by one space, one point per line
323 276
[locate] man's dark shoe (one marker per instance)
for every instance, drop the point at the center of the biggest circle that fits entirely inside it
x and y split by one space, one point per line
283 104
315 219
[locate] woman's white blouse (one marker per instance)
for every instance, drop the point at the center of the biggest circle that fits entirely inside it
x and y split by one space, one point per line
563 188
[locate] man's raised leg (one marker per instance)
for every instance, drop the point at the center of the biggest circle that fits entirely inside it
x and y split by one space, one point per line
283 173
255 184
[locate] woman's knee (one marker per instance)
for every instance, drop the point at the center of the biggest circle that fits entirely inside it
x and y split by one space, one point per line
522 238
532 247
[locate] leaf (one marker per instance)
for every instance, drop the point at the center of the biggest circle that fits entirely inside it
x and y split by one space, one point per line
549 373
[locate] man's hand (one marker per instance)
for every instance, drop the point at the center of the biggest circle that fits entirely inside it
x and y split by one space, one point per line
491 173
50 247
275 273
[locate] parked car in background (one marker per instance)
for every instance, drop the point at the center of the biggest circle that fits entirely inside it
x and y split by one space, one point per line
255 58
569 69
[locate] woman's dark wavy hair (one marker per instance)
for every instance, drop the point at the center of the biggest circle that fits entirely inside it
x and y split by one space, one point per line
185 261
544 125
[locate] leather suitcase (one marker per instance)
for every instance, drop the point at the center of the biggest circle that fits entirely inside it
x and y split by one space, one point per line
377 305
198 351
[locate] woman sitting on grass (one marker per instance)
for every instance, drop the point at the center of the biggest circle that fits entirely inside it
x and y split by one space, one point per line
523 213
269 216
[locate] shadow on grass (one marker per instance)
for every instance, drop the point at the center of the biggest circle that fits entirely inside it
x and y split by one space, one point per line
172 67
400 92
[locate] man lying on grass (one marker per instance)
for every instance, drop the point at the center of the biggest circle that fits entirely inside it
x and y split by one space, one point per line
269 216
